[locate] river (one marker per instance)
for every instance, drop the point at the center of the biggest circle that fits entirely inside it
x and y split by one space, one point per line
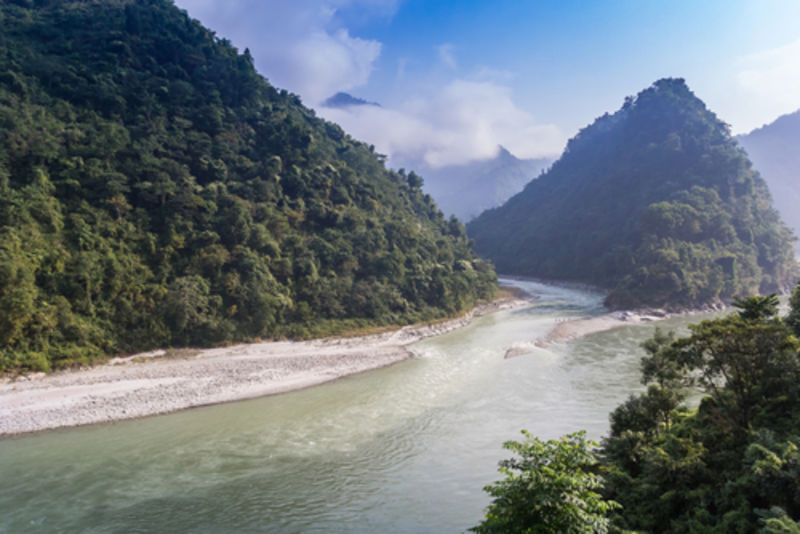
402 449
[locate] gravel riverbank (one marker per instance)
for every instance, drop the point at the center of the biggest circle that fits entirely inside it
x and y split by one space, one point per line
160 382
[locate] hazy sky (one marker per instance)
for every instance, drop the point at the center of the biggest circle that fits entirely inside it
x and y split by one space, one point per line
455 79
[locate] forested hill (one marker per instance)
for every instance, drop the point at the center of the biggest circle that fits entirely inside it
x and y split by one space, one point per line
155 190
655 202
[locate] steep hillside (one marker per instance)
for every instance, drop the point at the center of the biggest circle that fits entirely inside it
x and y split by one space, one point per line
775 152
154 190
655 202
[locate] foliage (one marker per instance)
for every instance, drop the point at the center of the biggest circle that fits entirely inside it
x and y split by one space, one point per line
656 202
793 318
155 190
775 521
732 465
549 487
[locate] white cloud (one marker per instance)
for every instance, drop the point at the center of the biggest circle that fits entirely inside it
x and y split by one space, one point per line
488 74
323 63
774 77
298 45
464 121
401 68
446 56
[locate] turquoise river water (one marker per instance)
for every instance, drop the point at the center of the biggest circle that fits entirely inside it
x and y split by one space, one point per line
404 449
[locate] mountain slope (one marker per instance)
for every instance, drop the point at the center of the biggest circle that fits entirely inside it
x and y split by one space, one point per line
154 190
467 190
775 152
655 202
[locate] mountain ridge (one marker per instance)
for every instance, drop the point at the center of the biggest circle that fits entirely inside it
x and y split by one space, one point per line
775 151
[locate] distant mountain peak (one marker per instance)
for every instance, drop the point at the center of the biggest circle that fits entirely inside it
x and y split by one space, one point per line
504 153
346 100
467 189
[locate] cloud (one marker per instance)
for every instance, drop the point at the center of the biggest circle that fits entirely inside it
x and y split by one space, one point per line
465 121
401 68
446 56
323 64
300 45
774 77
489 74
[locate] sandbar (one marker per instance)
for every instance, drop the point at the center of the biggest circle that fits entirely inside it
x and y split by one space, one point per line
160 382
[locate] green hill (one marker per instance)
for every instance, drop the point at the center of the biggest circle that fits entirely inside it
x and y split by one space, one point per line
655 203
155 190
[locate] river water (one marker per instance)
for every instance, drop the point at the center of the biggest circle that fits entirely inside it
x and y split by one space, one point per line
402 449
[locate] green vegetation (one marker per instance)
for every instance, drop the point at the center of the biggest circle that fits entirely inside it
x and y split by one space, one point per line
656 203
730 465
550 487
155 190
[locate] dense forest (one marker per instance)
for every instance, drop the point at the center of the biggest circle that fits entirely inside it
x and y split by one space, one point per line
656 203
730 463
155 191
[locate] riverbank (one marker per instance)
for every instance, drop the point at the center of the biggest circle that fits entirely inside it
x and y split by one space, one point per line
577 328
571 329
160 382
574 328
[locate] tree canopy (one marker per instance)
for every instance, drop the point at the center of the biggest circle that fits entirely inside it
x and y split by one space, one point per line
155 190
549 487
731 465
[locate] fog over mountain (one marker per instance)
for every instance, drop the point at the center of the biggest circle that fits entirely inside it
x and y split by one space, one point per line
463 189
469 189
775 152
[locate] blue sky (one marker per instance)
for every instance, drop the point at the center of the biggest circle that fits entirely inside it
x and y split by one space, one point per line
456 79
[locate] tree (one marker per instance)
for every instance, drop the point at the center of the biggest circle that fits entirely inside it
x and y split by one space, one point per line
731 465
549 487
744 361
793 318
757 308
